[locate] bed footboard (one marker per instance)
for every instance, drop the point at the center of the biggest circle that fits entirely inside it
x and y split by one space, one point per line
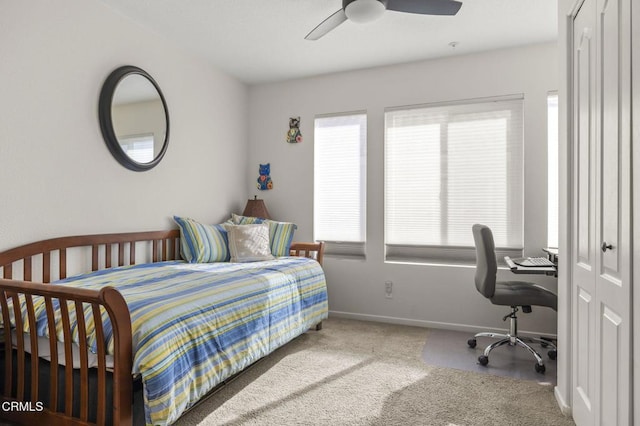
23 394
310 250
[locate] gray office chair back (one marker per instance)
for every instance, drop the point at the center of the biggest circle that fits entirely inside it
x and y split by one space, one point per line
486 265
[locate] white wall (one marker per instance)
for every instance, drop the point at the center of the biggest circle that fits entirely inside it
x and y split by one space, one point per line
57 176
423 295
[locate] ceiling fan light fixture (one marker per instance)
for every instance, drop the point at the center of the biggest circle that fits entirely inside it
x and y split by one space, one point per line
363 11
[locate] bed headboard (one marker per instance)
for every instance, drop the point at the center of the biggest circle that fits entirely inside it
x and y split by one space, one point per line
50 259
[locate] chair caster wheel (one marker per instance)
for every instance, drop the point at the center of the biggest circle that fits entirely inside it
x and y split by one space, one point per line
483 360
552 354
540 368
472 343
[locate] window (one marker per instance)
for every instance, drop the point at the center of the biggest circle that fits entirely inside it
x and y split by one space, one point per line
448 166
552 181
340 182
138 147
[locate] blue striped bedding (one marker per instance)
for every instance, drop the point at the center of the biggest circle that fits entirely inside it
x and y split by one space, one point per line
194 325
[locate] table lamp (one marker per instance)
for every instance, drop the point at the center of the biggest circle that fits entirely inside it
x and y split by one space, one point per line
256 208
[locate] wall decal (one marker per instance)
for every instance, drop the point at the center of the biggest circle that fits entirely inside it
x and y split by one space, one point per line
294 135
264 180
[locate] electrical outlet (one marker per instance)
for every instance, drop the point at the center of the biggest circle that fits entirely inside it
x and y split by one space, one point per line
388 289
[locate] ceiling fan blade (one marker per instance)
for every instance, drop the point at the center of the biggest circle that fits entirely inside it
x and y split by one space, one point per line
327 25
425 7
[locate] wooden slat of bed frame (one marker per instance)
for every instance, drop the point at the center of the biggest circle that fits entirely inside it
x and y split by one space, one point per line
26 269
33 337
132 253
84 362
8 271
120 254
68 358
62 264
17 313
8 359
94 257
53 350
107 256
102 379
46 267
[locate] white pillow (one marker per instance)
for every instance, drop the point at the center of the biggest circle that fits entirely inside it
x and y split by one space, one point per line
249 243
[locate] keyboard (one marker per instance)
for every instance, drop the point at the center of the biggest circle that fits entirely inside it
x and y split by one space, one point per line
533 262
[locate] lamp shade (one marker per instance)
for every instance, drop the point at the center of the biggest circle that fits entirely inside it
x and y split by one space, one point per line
256 208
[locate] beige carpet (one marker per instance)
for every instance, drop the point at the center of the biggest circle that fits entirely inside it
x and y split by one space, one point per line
362 373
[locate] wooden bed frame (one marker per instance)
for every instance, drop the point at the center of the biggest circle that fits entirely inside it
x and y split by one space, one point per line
22 372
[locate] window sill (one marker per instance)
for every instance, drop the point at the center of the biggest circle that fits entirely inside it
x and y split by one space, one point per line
425 262
342 256
442 256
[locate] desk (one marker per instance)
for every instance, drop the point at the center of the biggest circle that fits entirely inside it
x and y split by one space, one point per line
552 254
519 269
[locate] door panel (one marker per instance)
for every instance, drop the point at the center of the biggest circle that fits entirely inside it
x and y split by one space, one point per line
584 54
610 134
584 237
611 325
585 331
613 291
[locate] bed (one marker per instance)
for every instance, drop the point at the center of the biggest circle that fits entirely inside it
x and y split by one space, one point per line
177 330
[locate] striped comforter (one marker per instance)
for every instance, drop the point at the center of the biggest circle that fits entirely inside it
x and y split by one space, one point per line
194 325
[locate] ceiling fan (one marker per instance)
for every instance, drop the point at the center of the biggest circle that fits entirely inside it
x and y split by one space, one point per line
369 10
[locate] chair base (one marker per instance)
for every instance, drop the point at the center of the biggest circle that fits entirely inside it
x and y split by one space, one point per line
512 339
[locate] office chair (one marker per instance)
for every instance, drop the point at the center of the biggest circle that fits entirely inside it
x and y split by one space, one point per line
507 293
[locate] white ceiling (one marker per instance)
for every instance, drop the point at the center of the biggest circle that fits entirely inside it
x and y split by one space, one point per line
263 40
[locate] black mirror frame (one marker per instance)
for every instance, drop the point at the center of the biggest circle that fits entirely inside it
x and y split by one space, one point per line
106 120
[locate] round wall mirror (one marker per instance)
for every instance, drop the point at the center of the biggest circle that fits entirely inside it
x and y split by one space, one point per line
134 118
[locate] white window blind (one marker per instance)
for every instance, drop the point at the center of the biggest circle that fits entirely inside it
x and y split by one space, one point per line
448 166
138 147
340 180
553 181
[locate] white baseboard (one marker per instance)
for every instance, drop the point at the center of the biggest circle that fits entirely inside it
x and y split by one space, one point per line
471 329
564 407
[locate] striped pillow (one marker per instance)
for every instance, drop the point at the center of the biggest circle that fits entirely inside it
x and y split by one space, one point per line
245 220
280 237
201 243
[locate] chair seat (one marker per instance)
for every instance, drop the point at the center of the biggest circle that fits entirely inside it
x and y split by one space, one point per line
522 293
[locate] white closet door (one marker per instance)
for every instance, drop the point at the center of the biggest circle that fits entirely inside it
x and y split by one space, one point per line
583 260
601 261
613 280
